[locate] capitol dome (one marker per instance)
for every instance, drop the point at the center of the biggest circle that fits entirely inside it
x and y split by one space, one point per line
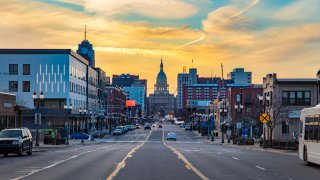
161 84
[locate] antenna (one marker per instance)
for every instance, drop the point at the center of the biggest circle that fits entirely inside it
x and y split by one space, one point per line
184 69
222 70
192 62
85 32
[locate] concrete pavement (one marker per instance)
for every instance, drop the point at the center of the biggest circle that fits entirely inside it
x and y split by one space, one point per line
147 155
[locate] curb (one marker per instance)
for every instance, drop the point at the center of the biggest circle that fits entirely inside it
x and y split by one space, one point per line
293 153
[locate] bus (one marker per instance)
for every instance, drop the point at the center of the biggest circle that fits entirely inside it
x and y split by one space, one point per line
309 139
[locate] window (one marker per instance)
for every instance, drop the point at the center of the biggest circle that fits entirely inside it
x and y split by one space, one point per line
316 129
13 69
285 127
26 86
26 69
296 98
13 86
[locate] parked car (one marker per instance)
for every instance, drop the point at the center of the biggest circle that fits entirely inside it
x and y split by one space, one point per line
188 127
125 129
182 125
171 136
79 135
122 128
147 127
132 127
160 126
117 131
17 140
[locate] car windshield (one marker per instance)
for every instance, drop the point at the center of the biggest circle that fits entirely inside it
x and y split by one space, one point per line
11 133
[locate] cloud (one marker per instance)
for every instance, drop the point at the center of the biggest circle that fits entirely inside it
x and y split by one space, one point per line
191 42
228 18
167 9
299 10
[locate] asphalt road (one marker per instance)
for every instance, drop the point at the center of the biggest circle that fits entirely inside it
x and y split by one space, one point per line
146 154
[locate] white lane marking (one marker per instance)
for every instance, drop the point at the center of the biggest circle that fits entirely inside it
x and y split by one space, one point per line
122 163
148 136
263 169
184 159
235 158
219 153
50 166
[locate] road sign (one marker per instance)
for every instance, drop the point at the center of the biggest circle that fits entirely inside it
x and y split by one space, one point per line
264 118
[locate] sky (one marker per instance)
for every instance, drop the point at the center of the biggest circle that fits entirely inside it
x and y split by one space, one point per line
131 36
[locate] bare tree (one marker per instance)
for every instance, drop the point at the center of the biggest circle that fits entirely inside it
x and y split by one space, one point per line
277 113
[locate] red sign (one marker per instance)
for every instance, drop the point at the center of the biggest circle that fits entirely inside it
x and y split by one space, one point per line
130 103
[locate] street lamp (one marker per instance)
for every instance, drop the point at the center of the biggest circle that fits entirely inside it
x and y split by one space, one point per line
83 112
37 103
68 111
239 108
223 113
318 84
264 102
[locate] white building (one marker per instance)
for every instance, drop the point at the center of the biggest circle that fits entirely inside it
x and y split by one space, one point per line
185 79
240 77
60 74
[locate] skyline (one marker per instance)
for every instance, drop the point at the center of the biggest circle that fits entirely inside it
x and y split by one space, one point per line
260 36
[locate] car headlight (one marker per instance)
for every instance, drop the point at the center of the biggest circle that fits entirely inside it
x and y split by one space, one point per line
15 142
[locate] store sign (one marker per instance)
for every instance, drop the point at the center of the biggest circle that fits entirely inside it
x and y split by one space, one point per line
294 114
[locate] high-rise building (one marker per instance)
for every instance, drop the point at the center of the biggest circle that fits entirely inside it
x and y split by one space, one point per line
134 89
161 102
85 49
240 77
185 79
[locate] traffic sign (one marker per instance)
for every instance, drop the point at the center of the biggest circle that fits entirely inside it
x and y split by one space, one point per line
264 118
239 125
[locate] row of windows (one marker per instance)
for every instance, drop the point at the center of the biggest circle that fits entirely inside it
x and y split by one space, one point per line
76 88
77 73
14 86
312 128
13 69
296 98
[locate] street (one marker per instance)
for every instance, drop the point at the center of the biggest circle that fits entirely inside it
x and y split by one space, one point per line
144 154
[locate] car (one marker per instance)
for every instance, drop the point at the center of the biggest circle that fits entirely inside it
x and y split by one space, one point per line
129 127
117 131
154 125
125 129
182 125
132 127
188 127
171 136
147 127
79 135
138 126
160 126
17 140
122 128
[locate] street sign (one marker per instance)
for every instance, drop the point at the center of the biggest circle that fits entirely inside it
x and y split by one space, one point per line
264 118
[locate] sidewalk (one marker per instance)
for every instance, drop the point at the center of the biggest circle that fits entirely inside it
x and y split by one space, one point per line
256 146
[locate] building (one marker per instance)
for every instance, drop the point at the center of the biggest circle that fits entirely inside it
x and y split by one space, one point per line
8 115
61 74
161 102
248 97
184 79
85 49
287 98
134 88
240 77
116 99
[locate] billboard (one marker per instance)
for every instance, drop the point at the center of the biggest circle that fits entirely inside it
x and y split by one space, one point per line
130 103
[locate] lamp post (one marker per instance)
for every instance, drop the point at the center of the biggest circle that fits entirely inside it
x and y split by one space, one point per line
83 112
223 113
318 84
264 102
37 103
68 110
239 108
